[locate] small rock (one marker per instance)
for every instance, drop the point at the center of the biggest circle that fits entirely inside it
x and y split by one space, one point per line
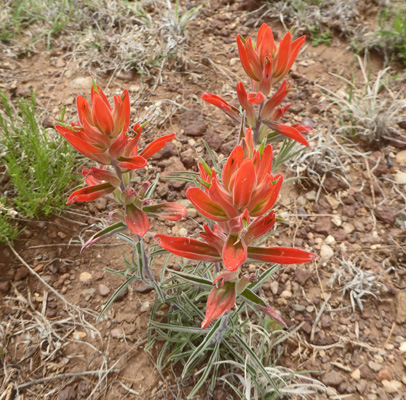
356 375
82 83
214 140
340 235
385 214
85 277
384 374
301 275
401 157
381 394
402 347
400 307
311 196
301 201
400 177
23 91
323 225
88 293
348 228
374 366
4 286
145 307
392 386
188 158
298 307
361 386
69 393
326 252
332 378
182 232
21 274
330 239
117 333
336 220
366 373
286 294
101 203
274 287
334 203
103 290
174 165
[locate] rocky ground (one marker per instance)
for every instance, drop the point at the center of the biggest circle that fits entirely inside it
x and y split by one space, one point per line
346 311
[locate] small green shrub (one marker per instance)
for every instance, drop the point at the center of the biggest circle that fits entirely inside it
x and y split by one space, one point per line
319 36
38 161
8 232
393 33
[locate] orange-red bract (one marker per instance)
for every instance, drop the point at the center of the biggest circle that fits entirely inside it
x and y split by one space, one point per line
266 63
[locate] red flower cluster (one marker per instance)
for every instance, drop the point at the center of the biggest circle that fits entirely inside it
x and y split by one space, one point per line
103 135
239 202
265 64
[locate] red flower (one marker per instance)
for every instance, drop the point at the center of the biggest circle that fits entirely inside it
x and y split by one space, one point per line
221 299
270 113
267 63
104 136
233 249
246 184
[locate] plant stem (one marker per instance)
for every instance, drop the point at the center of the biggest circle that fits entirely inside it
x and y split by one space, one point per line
119 174
259 123
146 268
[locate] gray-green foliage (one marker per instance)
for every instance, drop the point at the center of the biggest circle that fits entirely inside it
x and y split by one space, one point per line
39 162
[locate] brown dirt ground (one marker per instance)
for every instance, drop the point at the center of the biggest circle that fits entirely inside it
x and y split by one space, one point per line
350 348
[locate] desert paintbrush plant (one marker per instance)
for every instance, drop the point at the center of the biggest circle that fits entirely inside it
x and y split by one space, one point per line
198 310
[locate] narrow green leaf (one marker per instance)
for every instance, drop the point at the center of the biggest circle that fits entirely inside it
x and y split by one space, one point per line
207 370
258 362
199 350
204 283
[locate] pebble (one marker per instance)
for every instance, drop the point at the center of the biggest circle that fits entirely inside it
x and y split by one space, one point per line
332 378
82 83
298 307
117 333
401 157
88 293
310 309
392 386
384 374
330 239
326 252
286 294
21 274
182 232
311 196
402 347
103 290
356 375
336 220
85 277
192 213
400 177
348 228
274 287
301 201
144 307
374 366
